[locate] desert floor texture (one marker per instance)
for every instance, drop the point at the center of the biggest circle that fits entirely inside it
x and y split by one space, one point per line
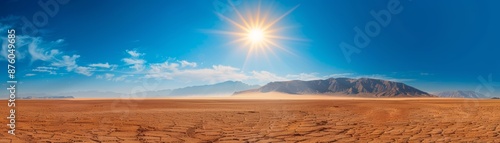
213 120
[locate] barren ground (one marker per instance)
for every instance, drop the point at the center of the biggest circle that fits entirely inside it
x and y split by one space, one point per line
217 120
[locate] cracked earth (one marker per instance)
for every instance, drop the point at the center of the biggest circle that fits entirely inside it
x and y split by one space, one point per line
227 121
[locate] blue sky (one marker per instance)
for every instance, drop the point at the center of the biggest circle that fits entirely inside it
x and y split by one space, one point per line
122 45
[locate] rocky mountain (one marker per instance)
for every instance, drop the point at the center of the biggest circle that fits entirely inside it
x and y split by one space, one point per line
461 94
223 88
347 86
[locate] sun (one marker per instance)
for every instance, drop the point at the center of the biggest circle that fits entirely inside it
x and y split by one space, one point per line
257 31
256 35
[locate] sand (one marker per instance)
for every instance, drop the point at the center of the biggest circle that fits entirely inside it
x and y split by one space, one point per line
256 120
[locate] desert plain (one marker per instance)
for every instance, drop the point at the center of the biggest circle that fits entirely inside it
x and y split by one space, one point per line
228 120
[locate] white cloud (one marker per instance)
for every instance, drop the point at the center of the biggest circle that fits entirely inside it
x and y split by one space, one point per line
137 64
50 70
265 76
121 78
84 70
217 73
166 65
303 76
39 53
29 74
38 49
31 46
113 77
101 65
68 62
109 76
186 63
133 61
60 40
337 75
134 53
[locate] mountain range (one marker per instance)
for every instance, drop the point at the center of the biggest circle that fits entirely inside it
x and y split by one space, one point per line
219 89
461 94
223 88
363 87
344 86
46 97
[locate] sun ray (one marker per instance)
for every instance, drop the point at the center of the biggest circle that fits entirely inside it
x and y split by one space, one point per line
281 17
226 32
257 31
280 47
285 38
257 19
239 14
237 40
233 22
281 28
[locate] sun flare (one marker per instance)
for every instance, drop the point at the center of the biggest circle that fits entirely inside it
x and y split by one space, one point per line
257 31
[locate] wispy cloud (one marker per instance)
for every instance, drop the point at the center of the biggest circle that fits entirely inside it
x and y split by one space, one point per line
68 62
114 77
304 76
29 74
134 61
337 75
380 76
38 49
50 70
265 76
188 64
42 50
134 53
175 71
84 70
109 76
122 78
100 65
137 64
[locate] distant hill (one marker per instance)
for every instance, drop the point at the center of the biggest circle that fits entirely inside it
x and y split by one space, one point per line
47 97
346 86
76 94
157 93
461 94
218 89
223 88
